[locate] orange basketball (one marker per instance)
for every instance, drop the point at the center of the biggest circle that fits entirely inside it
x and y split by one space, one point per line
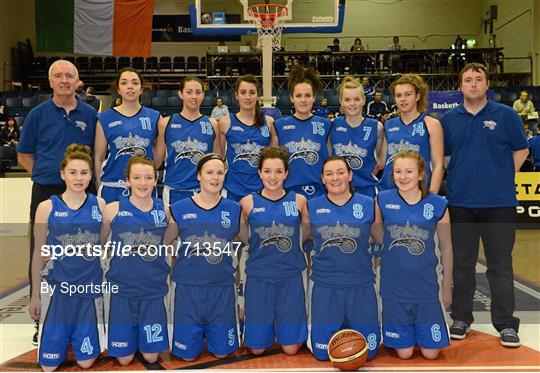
348 349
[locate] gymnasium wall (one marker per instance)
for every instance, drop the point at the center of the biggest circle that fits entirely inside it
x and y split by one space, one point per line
427 24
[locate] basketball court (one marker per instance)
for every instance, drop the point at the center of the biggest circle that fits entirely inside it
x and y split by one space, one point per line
480 351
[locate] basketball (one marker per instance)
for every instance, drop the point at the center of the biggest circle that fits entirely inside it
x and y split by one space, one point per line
348 349
206 18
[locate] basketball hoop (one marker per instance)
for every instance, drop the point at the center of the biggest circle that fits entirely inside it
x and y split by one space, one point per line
269 21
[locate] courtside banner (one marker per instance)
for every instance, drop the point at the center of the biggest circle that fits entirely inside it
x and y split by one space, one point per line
442 101
528 195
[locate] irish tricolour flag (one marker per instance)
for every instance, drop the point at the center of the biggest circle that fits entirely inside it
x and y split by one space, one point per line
98 27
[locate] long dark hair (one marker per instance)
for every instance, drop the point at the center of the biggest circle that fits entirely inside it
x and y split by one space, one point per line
259 118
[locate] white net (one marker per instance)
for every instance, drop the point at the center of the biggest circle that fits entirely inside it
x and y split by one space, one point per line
268 19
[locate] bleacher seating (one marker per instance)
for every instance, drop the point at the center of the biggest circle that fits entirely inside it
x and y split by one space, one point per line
192 64
109 63
123 62
96 64
137 63
165 63
179 63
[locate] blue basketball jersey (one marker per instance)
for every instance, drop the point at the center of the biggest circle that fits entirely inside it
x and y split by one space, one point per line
401 137
341 241
143 272
74 229
357 145
187 141
274 241
306 141
207 254
126 137
244 144
408 258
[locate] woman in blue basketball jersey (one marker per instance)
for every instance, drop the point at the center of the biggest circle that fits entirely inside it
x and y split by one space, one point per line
406 220
274 291
243 135
71 221
358 139
343 293
137 310
185 137
304 135
122 132
413 130
204 303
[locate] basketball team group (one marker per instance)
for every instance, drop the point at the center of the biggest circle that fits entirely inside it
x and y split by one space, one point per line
297 196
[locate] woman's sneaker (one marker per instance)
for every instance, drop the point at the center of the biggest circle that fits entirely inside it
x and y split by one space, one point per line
510 338
459 329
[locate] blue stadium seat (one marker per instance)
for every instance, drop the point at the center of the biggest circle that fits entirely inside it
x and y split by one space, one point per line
124 62
96 63
12 102
179 63
137 63
165 63
159 101
29 102
174 101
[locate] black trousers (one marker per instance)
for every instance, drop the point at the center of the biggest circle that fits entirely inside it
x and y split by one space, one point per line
496 227
42 193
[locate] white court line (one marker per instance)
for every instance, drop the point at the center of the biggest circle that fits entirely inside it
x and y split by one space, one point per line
518 285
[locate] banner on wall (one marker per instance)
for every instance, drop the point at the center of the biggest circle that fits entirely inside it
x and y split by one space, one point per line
528 196
177 28
442 101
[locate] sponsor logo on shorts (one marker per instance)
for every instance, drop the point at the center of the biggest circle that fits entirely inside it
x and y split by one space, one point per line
189 216
391 334
124 213
392 206
258 209
50 356
321 346
180 345
119 344
60 214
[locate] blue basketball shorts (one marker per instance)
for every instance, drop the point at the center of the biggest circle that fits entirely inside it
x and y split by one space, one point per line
234 197
333 309
68 319
137 324
409 324
274 309
171 196
204 311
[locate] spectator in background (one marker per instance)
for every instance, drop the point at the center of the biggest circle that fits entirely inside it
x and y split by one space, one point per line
79 91
534 147
525 108
91 99
323 110
368 90
527 130
9 135
458 58
395 59
219 110
377 108
3 113
116 102
358 62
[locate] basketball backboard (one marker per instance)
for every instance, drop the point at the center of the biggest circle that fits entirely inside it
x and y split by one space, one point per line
229 17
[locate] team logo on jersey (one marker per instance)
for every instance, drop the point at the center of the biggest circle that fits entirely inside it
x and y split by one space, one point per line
308 189
208 245
249 152
80 124
402 146
491 124
409 236
80 240
193 150
131 145
304 149
278 235
352 153
339 235
140 242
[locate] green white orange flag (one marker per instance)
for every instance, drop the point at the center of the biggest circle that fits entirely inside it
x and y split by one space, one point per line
95 27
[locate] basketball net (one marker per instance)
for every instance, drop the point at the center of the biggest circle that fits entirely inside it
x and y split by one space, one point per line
269 21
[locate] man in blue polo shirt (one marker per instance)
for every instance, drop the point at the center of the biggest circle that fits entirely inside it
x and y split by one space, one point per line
48 130
486 146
